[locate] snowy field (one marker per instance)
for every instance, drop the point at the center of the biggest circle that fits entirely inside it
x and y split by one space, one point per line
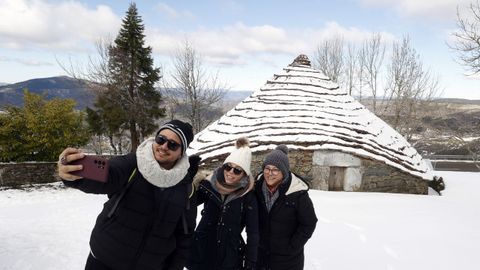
49 227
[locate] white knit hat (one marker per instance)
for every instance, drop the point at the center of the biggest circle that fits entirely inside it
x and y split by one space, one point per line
241 156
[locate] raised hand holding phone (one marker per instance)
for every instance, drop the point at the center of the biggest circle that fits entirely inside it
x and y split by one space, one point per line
94 168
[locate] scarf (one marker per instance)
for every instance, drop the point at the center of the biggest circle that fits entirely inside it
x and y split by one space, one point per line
270 198
232 192
154 173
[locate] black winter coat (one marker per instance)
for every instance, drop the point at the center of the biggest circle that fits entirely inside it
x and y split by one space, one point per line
287 227
218 243
147 229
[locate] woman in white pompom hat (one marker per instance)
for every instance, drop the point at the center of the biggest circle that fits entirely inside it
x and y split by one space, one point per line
229 207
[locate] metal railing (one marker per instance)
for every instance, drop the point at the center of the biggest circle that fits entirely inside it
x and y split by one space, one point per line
450 157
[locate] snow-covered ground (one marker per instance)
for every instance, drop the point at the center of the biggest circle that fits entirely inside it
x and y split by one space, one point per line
48 228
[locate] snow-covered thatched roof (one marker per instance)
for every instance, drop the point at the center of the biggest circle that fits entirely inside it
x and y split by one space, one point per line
303 109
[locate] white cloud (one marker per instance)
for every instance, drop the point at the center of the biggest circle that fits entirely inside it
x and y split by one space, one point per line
229 45
239 38
232 44
173 13
436 9
30 23
25 61
350 34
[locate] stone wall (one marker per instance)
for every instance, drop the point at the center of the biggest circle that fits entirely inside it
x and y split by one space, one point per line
300 163
17 174
360 174
378 177
315 167
27 173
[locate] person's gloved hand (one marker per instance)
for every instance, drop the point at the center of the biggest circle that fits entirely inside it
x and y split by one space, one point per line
194 162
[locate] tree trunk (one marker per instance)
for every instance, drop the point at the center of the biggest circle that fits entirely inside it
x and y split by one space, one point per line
133 136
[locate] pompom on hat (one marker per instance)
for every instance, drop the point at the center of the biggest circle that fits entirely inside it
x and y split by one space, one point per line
242 155
279 159
183 130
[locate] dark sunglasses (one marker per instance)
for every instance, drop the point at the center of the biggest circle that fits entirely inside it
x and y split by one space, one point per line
171 144
236 171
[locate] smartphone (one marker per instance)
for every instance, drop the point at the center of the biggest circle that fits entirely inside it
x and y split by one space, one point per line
94 168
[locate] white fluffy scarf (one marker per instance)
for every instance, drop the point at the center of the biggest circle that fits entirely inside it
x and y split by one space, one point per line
154 173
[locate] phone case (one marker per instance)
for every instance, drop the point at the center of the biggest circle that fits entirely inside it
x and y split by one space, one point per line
94 168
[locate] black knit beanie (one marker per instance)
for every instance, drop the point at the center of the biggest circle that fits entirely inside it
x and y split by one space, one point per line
183 130
279 159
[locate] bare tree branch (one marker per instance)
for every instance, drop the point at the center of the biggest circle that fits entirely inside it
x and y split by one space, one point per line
409 86
329 58
350 68
194 87
373 52
467 37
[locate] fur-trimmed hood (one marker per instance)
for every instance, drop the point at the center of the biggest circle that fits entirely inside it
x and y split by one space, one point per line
296 184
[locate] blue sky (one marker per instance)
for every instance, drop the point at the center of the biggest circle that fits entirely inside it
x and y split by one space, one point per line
246 41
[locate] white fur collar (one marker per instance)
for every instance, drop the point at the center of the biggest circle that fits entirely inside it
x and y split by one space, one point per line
296 185
154 173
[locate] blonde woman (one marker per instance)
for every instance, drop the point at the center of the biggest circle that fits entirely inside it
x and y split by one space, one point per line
229 207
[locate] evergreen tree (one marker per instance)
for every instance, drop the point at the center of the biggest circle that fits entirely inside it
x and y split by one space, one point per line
108 119
133 79
41 129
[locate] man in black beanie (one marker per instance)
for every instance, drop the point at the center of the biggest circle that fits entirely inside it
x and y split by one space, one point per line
147 223
286 215
183 130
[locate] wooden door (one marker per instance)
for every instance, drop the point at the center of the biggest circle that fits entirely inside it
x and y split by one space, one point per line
336 178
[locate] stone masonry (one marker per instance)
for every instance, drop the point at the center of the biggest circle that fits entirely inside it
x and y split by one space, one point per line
313 166
360 174
17 174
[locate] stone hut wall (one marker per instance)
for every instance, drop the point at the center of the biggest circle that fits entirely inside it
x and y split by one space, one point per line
378 177
300 163
314 166
360 174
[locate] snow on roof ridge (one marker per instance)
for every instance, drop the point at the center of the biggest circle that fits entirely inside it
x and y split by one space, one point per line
303 108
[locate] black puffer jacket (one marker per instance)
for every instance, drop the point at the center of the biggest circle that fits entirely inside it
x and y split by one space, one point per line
147 229
287 227
218 242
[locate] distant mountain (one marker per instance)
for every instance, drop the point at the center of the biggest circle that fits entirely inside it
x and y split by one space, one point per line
54 87
440 100
78 90
232 98
459 100
237 94
2 83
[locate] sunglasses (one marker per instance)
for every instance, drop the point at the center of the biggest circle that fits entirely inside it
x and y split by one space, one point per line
236 171
171 144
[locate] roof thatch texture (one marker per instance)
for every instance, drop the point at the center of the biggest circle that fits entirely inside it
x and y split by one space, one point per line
302 108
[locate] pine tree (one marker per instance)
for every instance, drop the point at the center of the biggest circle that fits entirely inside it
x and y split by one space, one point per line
108 119
133 79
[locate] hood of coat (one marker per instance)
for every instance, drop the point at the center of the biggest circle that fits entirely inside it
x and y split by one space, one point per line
154 173
296 184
